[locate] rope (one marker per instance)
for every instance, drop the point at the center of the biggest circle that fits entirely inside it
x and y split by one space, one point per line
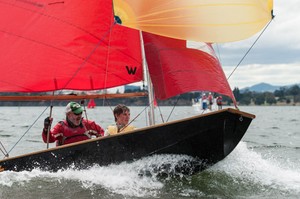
173 108
160 113
28 129
250 48
138 115
3 150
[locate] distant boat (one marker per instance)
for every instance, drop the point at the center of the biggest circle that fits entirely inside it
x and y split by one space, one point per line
205 102
91 103
83 46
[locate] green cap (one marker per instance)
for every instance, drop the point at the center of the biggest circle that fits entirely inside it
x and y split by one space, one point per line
74 107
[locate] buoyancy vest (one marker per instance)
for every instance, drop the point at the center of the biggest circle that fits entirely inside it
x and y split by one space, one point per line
72 134
113 129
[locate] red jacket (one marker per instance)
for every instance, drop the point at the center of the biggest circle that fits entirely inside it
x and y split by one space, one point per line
63 133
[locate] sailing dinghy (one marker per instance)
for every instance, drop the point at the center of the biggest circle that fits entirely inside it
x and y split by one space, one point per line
100 44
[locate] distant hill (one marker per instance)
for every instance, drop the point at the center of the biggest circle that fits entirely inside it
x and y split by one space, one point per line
261 87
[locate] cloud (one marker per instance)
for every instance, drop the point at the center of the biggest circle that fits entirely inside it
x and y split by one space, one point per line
274 58
275 74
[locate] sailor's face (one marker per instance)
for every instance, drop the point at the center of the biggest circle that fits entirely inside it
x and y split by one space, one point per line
75 118
123 118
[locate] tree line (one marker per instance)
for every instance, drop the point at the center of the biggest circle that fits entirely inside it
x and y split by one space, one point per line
284 96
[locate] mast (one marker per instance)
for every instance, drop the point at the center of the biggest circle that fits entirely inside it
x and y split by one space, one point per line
149 84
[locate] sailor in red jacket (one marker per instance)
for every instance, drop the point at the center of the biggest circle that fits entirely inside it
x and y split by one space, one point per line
73 129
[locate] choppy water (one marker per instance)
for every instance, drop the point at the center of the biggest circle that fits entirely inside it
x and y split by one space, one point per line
266 164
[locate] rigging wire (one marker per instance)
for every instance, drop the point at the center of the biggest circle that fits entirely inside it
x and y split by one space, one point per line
28 129
173 108
144 110
242 59
160 113
3 150
132 120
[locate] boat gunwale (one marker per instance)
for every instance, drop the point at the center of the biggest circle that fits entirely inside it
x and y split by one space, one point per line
231 110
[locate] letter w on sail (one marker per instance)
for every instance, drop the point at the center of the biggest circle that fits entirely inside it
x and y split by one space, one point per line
131 70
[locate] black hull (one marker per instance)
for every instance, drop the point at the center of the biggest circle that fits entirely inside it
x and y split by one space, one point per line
209 138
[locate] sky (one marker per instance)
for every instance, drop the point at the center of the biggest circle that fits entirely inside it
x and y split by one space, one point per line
274 59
